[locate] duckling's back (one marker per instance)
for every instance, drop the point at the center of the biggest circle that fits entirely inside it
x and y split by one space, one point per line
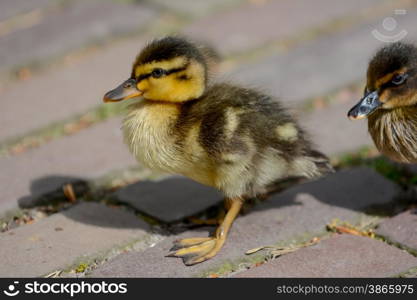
242 141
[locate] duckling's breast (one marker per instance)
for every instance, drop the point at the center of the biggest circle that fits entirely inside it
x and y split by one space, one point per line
150 133
146 131
395 133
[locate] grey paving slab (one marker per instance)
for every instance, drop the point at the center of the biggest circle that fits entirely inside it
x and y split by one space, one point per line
321 65
401 229
258 22
170 199
11 8
88 154
75 24
63 92
332 132
338 256
196 8
301 211
68 237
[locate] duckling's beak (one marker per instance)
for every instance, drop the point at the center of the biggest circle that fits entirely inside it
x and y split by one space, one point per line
365 107
124 91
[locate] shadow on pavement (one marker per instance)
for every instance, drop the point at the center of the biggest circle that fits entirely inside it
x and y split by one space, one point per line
175 198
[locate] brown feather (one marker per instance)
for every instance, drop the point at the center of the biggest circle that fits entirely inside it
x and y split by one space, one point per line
395 133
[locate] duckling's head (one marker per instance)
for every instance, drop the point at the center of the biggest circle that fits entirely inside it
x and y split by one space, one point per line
391 81
171 69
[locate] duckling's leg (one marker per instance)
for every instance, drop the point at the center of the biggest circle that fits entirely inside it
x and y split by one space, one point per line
196 250
216 220
207 222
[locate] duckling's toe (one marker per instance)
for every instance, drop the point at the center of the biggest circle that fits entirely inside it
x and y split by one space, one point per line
184 243
195 250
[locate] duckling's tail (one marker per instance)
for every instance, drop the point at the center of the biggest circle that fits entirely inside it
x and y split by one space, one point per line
312 165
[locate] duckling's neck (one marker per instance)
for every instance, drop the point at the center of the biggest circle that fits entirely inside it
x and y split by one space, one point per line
394 132
147 131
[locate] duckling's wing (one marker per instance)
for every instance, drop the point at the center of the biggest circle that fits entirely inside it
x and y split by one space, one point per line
251 141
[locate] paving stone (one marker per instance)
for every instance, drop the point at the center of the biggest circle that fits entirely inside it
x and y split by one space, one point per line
401 229
56 242
73 25
256 23
300 211
10 8
70 90
333 133
170 199
88 154
320 66
339 256
196 8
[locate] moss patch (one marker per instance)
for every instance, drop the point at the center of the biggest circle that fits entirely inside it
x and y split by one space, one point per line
410 273
367 156
398 245
81 268
85 264
230 266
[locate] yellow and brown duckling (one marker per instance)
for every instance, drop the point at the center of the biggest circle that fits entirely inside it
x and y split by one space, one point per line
390 102
234 139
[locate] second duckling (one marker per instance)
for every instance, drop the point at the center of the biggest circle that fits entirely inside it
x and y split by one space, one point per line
390 102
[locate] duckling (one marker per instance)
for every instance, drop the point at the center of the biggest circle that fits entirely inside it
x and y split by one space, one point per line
235 139
390 102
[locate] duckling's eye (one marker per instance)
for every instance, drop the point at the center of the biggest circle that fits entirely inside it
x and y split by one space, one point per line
399 79
158 72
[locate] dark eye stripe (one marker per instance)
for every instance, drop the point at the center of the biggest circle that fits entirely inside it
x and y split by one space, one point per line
388 85
142 77
175 70
167 72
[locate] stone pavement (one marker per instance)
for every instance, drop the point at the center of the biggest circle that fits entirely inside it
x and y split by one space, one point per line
352 256
83 230
176 192
401 230
299 213
315 67
313 57
82 22
250 25
44 169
